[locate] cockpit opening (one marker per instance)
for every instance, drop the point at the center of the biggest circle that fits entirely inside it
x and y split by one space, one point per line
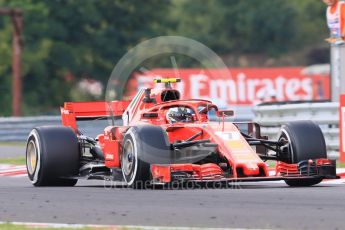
170 95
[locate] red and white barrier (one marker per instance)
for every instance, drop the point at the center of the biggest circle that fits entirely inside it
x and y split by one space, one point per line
13 170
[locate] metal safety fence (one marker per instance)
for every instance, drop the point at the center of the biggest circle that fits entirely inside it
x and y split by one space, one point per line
18 128
270 117
325 114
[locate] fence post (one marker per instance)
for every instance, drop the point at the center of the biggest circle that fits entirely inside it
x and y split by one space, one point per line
337 71
342 128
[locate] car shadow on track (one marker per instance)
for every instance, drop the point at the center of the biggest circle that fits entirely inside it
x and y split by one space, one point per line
231 186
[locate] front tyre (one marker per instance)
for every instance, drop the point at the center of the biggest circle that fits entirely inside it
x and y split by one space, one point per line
142 146
135 171
52 155
304 141
303 182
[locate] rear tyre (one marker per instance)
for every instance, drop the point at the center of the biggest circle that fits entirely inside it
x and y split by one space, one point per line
141 147
305 141
52 155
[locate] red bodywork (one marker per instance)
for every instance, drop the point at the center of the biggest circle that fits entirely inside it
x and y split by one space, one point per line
231 145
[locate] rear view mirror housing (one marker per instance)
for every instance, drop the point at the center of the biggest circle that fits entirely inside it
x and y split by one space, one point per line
149 115
225 113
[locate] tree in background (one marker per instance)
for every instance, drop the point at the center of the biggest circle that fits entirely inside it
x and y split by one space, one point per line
66 40
255 26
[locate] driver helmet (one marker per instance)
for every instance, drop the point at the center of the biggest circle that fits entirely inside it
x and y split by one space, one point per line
179 114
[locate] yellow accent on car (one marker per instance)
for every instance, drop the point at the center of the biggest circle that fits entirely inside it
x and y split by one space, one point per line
236 144
33 163
167 80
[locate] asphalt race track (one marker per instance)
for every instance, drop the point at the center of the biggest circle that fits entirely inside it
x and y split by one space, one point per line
12 151
250 205
269 205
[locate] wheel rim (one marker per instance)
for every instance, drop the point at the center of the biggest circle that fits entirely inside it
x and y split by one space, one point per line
286 138
128 158
31 159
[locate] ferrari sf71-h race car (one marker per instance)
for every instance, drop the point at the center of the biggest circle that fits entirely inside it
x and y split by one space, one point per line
163 139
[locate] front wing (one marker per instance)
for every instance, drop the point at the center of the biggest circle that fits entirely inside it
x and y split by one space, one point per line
310 169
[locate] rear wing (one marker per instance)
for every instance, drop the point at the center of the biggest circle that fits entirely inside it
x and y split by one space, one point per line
71 112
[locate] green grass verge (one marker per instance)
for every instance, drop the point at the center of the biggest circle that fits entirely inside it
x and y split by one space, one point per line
12 143
340 164
271 164
13 161
10 226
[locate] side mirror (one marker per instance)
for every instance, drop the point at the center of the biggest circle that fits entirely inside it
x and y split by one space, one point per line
225 113
149 115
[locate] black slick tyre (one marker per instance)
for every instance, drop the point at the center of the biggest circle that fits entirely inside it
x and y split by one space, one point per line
305 141
52 155
142 146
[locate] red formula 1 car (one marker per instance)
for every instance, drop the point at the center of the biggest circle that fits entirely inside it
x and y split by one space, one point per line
163 139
